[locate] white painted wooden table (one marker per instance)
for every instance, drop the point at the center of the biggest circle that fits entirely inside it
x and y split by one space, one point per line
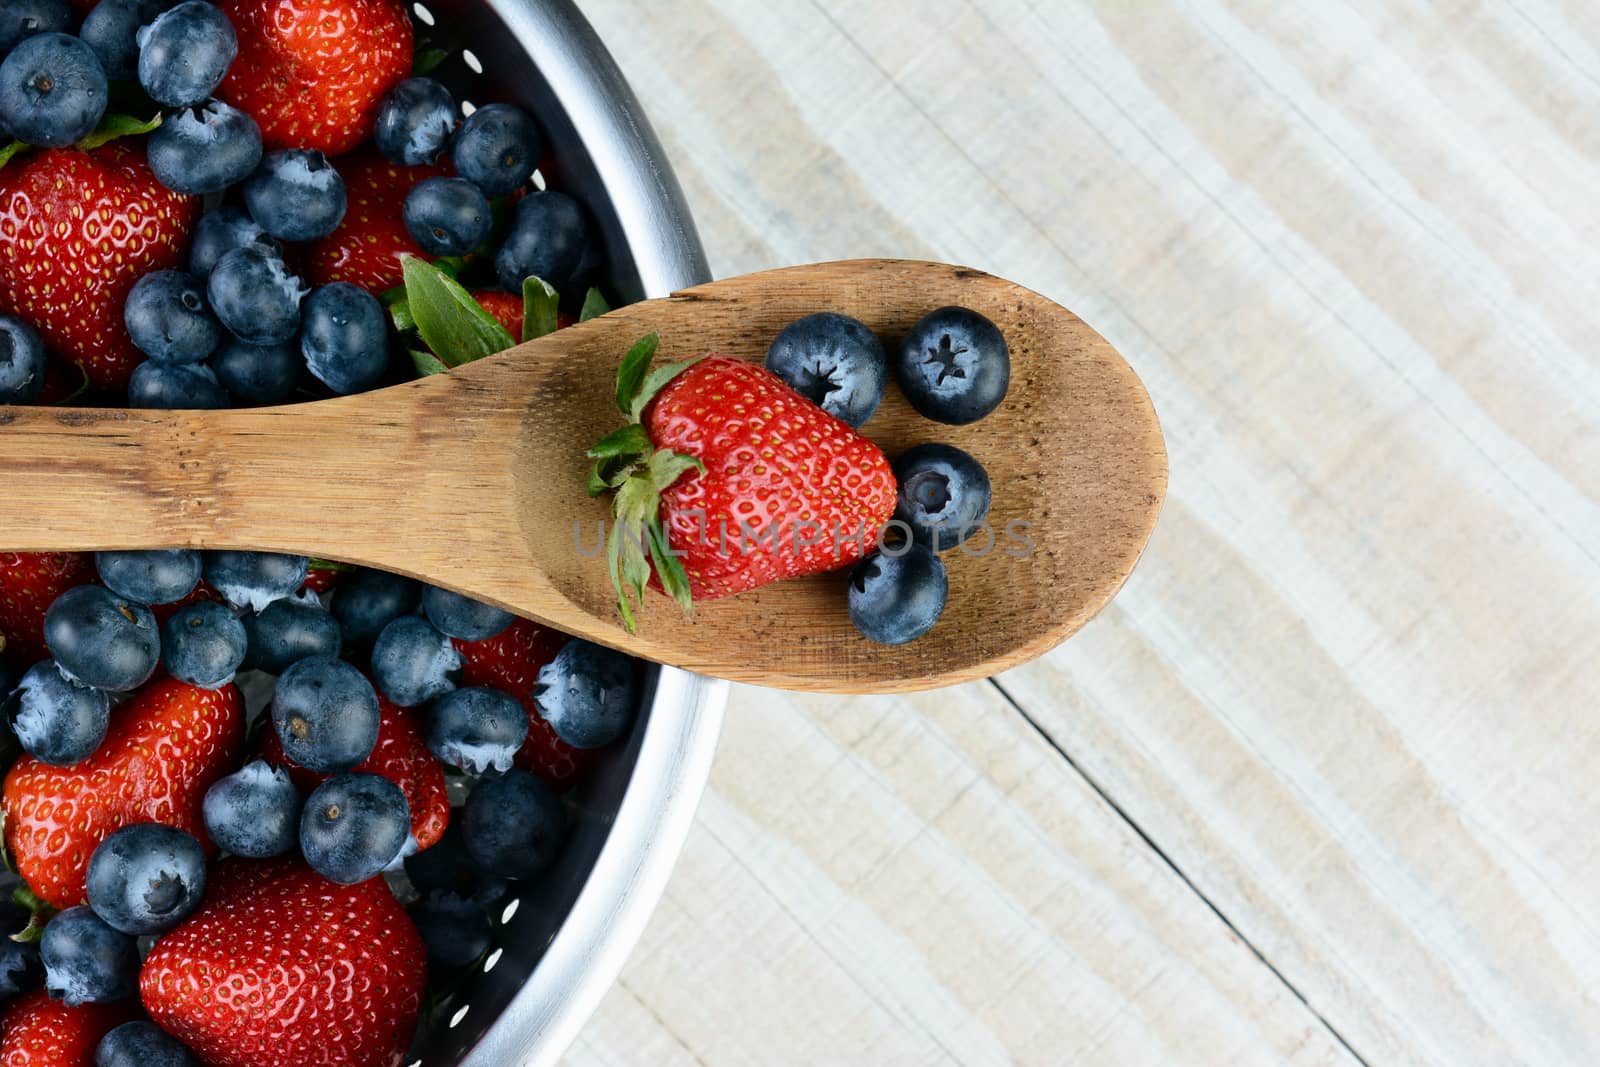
1321 786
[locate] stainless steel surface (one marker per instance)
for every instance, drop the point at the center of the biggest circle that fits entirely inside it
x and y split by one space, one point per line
570 932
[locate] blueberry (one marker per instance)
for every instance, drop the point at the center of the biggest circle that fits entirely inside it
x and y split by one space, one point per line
549 236
56 720
497 149
345 337
52 90
142 1043
353 826
257 374
146 878
155 577
463 617
296 195
86 960
287 631
477 729
447 216
254 295
24 18
412 662
254 812
449 867
101 639
205 148
954 366
110 29
20 968
944 495
203 644
898 598
587 694
185 52
173 386
833 361
220 232
367 601
454 931
168 318
255 579
415 120
22 361
326 714
514 825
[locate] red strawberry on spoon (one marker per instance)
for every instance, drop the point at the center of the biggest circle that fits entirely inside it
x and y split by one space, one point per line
729 467
280 965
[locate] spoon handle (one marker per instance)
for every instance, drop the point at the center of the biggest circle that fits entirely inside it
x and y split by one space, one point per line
303 478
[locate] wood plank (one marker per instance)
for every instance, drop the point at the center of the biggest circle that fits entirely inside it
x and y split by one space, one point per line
1349 249
923 880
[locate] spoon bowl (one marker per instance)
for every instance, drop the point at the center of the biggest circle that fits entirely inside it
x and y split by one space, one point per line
474 480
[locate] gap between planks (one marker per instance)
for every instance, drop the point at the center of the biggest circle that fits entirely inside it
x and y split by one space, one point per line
1171 865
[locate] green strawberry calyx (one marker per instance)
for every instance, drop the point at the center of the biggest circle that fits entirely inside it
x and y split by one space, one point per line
110 128
628 464
444 326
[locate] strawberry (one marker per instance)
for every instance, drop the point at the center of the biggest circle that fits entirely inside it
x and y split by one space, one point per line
322 575
165 747
401 756
36 1031
366 247
311 72
29 584
746 480
510 661
506 309
280 965
79 229
200 592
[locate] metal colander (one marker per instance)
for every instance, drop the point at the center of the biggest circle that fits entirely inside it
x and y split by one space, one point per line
561 941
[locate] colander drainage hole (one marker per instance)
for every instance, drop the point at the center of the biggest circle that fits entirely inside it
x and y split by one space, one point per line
538 181
468 107
472 61
423 13
511 909
461 1013
494 958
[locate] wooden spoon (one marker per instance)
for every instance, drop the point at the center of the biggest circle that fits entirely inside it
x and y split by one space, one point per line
474 480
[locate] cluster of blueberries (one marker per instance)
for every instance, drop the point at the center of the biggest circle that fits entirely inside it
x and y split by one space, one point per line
145 878
954 368
227 324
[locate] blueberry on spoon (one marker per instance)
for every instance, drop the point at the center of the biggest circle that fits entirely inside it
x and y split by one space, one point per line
833 361
944 495
896 597
954 366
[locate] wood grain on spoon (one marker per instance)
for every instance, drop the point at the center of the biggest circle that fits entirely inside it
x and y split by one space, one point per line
474 480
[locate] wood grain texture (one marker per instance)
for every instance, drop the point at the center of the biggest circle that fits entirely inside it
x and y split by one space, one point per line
1350 693
1074 454
1060 937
